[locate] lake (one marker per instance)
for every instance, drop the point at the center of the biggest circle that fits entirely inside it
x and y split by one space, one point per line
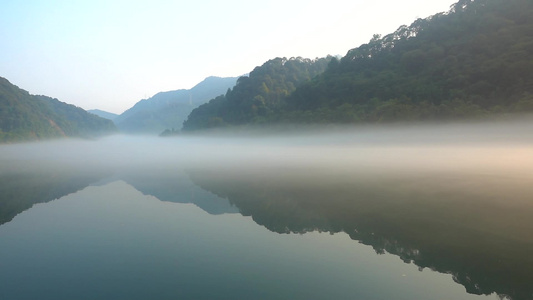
405 212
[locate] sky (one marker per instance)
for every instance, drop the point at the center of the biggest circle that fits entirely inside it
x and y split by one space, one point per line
108 55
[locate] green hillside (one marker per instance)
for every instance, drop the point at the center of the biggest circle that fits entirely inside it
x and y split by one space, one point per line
470 62
25 117
257 97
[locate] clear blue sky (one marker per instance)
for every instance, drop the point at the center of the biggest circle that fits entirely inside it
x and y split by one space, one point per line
110 54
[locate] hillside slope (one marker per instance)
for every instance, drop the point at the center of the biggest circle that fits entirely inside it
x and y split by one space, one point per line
257 97
471 61
25 117
169 109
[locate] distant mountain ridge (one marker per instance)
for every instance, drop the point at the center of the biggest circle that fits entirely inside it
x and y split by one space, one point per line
26 117
169 109
103 114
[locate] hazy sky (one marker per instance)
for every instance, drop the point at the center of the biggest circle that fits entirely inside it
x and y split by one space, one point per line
111 54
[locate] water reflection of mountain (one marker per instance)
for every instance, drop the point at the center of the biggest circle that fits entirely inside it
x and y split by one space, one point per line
475 227
21 188
172 185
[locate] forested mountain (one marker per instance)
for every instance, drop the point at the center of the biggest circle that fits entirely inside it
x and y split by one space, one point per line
472 61
25 117
169 109
255 98
103 114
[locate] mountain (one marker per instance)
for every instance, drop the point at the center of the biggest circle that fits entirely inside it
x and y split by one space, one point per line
469 62
256 97
25 117
169 109
472 61
103 114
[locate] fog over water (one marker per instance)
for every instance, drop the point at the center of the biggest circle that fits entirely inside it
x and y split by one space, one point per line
453 198
493 148
495 158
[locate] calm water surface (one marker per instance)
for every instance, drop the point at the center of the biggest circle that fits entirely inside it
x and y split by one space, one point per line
269 219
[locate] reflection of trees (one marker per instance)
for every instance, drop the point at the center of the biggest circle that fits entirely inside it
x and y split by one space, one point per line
21 189
23 186
445 223
171 185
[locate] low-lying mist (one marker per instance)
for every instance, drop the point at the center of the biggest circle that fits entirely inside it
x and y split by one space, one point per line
498 148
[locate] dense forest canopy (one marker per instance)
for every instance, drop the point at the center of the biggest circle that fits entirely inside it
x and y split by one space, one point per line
255 98
471 61
25 117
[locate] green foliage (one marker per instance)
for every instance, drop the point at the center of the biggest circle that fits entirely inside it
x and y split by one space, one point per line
258 97
471 61
25 117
